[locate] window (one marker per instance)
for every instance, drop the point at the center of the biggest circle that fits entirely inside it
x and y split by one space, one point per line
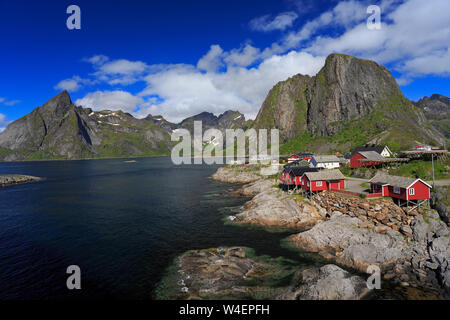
411 191
318 183
397 190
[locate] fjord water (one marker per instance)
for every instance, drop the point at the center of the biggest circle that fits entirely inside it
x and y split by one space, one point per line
121 222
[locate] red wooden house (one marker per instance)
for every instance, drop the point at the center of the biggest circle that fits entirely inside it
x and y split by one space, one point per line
401 188
292 175
323 180
370 158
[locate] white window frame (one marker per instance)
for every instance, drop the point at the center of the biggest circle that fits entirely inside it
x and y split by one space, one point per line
397 190
318 183
411 191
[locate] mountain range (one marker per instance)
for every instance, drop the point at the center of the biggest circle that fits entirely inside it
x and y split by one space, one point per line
349 102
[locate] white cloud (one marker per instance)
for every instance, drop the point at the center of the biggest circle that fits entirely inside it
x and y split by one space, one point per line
11 102
72 84
280 22
8 103
3 122
212 60
112 100
97 59
242 57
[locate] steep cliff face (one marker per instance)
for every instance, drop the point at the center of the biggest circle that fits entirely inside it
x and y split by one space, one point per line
349 101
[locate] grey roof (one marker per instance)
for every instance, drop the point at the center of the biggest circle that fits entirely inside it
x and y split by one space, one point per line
299 171
375 148
325 158
372 155
395 181
333 174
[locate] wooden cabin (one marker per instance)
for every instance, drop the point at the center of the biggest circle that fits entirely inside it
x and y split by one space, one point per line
371 158
292 175
401 188
323 180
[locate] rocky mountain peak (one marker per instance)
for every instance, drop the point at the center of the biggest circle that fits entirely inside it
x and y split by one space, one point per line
59 104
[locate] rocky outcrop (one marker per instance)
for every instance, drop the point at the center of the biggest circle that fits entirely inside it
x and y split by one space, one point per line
236 273
347 95
272 208
439 196
421 262
236 174
223 273
380 215
325 283
254 188
8 180
345 240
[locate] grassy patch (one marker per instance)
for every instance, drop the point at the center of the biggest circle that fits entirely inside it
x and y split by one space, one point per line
423 169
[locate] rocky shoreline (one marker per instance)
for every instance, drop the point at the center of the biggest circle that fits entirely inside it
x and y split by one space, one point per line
411 248
12 179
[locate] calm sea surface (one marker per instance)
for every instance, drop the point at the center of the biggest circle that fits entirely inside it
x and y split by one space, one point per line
121 223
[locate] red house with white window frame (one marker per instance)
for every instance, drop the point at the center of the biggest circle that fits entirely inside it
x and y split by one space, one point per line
323 180
401 188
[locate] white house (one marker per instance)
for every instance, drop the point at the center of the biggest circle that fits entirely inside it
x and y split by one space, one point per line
325 161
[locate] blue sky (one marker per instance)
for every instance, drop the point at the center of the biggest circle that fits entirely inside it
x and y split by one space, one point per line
178 58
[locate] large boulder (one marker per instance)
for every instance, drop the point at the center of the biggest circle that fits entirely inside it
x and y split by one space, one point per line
326 283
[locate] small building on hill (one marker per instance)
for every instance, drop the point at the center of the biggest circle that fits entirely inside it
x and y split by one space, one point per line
365 159
300 156
325 161
323 180
382 150
401 188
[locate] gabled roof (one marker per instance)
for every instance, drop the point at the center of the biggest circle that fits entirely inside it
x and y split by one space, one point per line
371 155
395 181
302 154
377 148
299 171
325 158
333 174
